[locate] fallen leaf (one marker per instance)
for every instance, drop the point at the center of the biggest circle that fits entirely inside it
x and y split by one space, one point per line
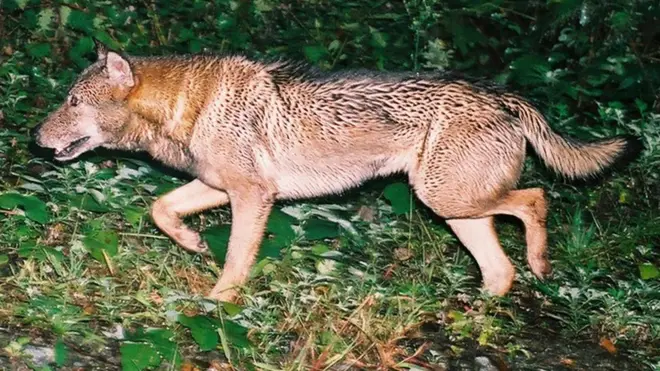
402 253
567 362
607 345
367 213
187 366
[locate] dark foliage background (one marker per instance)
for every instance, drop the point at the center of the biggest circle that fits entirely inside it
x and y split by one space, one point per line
78 256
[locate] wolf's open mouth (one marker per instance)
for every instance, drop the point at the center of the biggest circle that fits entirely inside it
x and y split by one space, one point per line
71 148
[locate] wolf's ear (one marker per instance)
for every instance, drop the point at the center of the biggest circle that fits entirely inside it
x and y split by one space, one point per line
119 70
101 49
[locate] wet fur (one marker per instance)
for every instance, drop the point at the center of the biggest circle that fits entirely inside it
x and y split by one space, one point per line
254 132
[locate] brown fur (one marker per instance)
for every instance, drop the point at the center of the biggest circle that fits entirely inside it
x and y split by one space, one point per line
254 132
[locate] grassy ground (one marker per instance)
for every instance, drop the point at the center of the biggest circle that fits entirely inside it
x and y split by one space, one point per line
353 279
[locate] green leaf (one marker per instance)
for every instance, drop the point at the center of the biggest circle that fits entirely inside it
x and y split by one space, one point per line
61 353
34 208
87 202
318 229
271 248
160 340
202 329
280 224
40 253
320 249
134 214
38 51
101 241
648 271
235 334
77 53
45 19
378 39
315 53
21 3
217 237
398 194
138 356
81 21
280 234
231 309
4 259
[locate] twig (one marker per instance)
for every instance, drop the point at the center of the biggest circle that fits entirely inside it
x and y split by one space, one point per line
10 212
144 235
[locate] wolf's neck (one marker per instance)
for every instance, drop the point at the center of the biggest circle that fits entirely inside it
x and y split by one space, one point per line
140 134
170 94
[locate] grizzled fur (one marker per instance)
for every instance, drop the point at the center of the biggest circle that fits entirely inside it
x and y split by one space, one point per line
254 132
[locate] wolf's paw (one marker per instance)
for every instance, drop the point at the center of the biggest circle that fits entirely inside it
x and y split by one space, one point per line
540 266
499 283
227 295
190 240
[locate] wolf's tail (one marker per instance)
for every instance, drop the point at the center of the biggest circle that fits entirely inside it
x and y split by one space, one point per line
569 157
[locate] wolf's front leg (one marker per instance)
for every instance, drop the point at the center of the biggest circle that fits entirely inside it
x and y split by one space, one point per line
191 198
250 209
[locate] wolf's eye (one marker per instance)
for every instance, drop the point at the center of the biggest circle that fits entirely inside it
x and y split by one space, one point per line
73 101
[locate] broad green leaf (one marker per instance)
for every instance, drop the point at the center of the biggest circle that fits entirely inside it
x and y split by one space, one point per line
138 356
217 237
236 334
21 3
648 271
77 54
318 229
40 253
398 194
38 51
65 12
100 241
160 341
271 248
202 329
81 21
231 308
133 214
378 39
87 202
279 234
194 46
315 53
45 19
320 249
34 208
61 353
280 223
4 259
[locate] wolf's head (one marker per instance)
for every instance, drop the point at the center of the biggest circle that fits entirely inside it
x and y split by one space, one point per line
95 110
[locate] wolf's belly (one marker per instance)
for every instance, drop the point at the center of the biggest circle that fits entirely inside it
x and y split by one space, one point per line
331 175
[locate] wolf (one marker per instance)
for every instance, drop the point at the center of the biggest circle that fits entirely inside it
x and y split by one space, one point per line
253 132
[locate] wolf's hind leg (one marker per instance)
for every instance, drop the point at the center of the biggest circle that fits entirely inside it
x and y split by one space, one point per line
191 198
467 174
480 238
529 205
